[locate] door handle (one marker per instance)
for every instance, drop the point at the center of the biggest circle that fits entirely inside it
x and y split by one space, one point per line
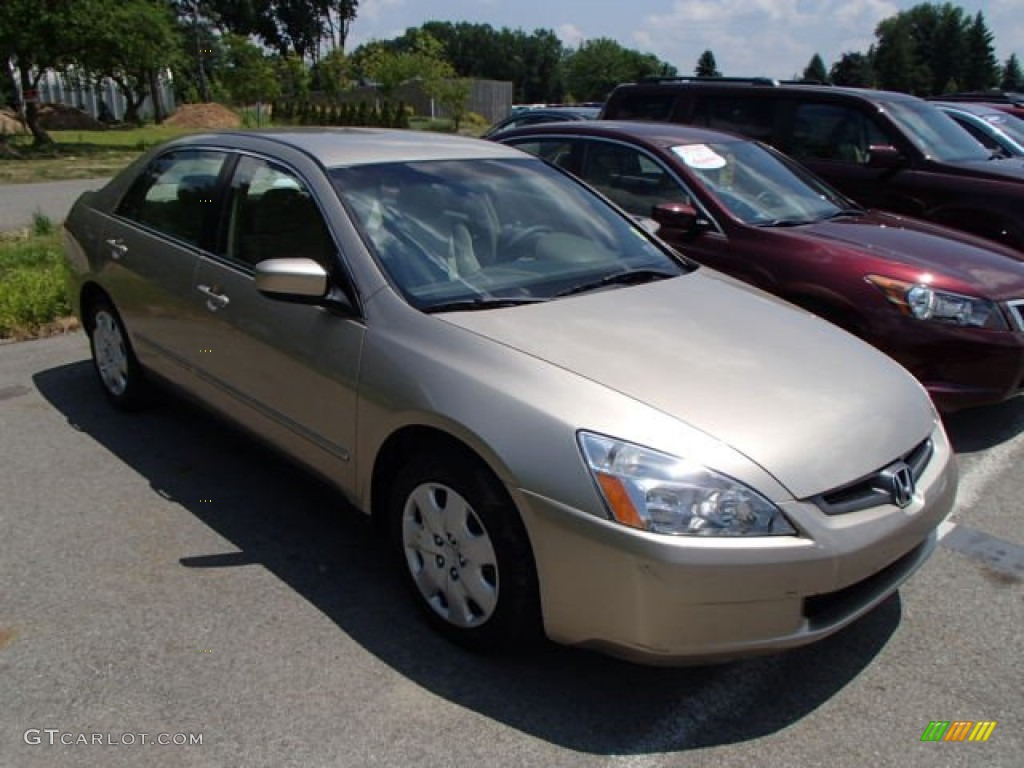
117 247
214 299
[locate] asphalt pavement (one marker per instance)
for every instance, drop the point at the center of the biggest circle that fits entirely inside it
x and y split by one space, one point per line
19 202
161 574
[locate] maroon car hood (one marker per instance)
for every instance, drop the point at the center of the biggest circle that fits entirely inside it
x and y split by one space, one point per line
995 269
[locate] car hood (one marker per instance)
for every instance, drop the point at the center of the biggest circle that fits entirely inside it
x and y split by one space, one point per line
812 405
989 267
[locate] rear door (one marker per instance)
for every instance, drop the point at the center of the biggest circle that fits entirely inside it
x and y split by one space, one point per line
152 245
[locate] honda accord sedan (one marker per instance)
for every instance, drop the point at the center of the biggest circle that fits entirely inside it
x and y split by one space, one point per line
947 305
565 426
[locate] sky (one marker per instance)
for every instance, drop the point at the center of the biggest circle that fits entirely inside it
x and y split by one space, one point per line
770 38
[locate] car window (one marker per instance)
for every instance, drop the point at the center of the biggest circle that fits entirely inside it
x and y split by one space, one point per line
556 151
485 230
979 134
630 178
642 106
273 215
834 132
175 194
754 117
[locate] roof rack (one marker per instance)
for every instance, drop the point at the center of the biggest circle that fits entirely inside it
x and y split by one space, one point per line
765 81
698 79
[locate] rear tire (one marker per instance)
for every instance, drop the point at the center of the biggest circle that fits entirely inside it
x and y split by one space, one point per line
114 361
464 552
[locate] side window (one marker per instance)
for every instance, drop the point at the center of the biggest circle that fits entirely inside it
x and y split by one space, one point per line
630 178
833 132
555 151
643 106
175 195
273 215
979 135
748 116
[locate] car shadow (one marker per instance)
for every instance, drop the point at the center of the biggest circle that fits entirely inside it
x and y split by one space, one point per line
278 516
978 429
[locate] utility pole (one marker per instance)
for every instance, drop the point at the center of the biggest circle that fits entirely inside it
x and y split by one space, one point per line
204 88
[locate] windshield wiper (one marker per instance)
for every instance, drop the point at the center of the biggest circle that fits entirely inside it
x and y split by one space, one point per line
482 302
629 277
785 222
847 212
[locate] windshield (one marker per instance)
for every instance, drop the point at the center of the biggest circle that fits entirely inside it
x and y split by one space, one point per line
1009 124
758 186
934 132
480 233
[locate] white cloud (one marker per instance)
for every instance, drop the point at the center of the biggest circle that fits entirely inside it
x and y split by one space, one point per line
570 34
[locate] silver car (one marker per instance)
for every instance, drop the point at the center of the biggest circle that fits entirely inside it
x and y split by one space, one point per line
565 425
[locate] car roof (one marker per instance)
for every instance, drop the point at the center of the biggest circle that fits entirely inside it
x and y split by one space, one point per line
769 86
335 147
659 134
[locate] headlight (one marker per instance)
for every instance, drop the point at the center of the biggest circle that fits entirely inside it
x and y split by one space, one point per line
922 301
664 494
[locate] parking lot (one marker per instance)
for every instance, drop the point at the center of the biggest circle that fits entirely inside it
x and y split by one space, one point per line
162 575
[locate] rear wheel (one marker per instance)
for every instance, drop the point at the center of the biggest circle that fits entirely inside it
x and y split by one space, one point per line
114 361
465 553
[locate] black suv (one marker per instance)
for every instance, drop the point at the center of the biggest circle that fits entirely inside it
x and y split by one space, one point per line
884 149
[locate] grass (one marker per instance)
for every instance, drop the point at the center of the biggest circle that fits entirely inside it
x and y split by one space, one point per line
80 154
33 301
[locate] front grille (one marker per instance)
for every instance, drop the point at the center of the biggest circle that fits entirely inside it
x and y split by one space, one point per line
873 490
1017 312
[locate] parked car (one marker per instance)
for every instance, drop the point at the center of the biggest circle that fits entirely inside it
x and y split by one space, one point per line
538 115
945 304
1007 101
998 131
883 149
561 421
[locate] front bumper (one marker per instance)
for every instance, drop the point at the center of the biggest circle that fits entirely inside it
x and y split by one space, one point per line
670 600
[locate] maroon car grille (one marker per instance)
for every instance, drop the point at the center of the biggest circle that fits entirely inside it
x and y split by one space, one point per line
872 491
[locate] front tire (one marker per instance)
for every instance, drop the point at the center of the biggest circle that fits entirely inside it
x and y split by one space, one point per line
113 359
464 552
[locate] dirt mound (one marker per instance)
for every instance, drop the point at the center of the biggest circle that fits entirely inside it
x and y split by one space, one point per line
9 123
210 116
61 117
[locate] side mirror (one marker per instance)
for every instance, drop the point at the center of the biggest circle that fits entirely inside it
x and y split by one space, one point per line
677 216
297 280
884 157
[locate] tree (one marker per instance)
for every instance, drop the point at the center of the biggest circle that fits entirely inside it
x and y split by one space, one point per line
35 37
853 70
896 60
453 94
815 72
248 76
1013 78
421 59
131 42
706 65
981 67
598 65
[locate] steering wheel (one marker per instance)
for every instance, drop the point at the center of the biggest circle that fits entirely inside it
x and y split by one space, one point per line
520 236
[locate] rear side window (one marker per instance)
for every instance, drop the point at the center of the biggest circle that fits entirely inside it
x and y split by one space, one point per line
637 105
753 117
175 194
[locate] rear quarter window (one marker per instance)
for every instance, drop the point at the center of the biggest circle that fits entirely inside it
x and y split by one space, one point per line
637 105
745 115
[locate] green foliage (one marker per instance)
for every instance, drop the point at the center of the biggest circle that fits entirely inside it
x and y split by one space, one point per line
453 95
707 66
41 224
815 71
390 65
32 285
597 66
1013 78
247 75
923 49
853 70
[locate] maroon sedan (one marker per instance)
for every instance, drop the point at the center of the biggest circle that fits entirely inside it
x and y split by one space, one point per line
947 305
